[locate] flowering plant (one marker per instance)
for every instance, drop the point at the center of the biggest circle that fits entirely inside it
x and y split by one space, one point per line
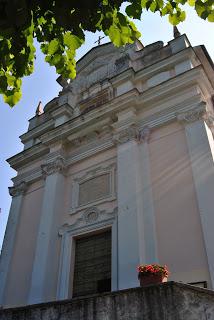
156 269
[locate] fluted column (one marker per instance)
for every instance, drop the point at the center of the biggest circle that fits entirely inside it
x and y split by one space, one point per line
201 150
45 265
17 193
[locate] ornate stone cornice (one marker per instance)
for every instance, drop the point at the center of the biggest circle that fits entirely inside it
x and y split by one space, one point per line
18 189
56 165
192 115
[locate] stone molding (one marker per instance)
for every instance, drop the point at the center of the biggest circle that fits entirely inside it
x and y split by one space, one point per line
18 189
37 131
35 152
95 136
56 165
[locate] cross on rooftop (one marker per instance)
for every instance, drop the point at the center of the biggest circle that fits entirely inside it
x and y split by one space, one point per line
99 40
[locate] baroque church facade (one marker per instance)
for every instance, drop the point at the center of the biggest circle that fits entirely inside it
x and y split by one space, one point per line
117 171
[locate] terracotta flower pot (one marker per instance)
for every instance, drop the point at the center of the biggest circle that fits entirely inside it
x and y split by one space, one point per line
147 279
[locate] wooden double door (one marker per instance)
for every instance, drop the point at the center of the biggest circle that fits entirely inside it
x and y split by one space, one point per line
92 267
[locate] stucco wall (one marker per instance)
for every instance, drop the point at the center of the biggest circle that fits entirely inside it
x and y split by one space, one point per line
19 278
179 234
170 301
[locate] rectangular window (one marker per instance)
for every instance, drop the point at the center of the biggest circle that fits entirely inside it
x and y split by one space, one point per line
92 268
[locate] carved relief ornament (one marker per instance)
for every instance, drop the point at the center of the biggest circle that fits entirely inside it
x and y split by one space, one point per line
56 165
132 133
18 189
125 135
90 217
192 115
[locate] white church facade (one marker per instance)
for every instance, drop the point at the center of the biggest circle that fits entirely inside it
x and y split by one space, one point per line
117 171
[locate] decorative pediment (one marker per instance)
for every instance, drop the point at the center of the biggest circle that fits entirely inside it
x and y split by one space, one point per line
89 217
99 64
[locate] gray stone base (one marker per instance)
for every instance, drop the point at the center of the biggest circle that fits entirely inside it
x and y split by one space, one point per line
167 301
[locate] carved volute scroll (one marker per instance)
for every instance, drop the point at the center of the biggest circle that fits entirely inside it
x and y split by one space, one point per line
56 165
18 189
132 133
126 134
144 134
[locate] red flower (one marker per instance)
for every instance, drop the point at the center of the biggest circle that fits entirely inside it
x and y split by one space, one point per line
153 269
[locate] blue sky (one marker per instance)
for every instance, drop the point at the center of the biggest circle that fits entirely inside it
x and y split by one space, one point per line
42 86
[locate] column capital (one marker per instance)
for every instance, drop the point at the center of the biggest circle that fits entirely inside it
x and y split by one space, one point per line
132 133
144 134
126 134
18 189
192 115
56 165
209 119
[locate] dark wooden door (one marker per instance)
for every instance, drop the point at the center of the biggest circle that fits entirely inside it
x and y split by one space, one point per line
92 269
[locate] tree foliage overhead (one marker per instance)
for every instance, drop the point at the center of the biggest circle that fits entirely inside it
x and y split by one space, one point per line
59 28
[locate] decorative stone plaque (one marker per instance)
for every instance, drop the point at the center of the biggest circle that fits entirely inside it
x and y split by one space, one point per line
94 189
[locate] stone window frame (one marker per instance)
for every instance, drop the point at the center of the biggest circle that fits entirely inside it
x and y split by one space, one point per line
86 176
83 227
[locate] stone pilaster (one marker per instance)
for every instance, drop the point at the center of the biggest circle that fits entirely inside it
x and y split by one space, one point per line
149 243
201 150
42 284
129 198
17 193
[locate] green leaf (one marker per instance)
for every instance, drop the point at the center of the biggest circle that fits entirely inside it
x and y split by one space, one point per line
168 9
148 4
182 16
12 98
173 19
3 83
210 17
134 11
191 2
199 9
160 3
72 41
204 14
115 36
144 3
153 6
53 46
